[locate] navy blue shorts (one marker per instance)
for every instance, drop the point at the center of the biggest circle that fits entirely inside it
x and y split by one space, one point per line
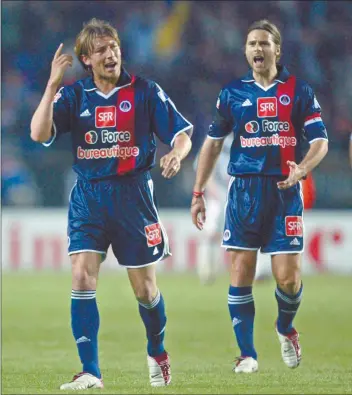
121 212
260 216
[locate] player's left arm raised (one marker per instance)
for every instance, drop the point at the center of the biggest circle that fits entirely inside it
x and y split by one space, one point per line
171 162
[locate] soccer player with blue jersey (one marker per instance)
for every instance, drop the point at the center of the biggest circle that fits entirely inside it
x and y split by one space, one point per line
113 118
269 112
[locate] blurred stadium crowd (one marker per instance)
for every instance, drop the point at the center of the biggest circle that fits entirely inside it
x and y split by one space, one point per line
190 49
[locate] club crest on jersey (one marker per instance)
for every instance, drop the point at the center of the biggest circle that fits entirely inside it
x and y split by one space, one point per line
153 234
285 100
294 225
125 106
251 127
91 137
266 107
105 116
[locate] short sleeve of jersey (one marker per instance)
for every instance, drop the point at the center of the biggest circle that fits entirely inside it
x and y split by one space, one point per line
62 114
222 124
167 121
313 124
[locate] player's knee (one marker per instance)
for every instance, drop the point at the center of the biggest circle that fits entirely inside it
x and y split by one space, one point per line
290 283
82 279
146 292
242 273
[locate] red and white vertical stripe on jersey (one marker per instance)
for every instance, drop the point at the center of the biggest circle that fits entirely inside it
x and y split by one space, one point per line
284 115
126 122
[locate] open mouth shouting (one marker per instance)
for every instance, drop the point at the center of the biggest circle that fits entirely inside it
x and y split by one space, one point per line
258 60
110 66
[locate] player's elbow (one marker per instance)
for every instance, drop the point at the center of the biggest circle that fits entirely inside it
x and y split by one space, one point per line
183 142
321 147
39 135
36 136
325 147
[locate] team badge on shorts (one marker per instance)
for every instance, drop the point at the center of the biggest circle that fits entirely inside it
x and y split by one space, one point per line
227 235
153 234
294 226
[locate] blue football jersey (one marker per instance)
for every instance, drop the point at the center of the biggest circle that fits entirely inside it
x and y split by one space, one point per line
114 134
269 124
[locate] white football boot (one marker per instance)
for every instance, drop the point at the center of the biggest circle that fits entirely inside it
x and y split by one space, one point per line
245 365
83 381
290 348
159 370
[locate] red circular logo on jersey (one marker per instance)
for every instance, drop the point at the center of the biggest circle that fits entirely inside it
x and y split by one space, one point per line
91 137
252 127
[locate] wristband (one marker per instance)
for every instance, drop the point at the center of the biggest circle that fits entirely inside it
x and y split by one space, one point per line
198 194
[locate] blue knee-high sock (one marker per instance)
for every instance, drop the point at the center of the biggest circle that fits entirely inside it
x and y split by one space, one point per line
85 326
242 311
287 306
154 318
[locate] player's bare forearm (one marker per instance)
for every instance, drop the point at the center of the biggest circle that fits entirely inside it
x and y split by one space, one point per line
171 162
316 153
207 158
318 149
42 120
182 145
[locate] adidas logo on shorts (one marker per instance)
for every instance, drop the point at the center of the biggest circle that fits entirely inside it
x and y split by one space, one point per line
295 242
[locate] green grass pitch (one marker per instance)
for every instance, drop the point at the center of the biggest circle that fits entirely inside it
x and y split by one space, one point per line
39 354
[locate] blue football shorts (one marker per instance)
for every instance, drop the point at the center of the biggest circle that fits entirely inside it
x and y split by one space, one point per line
258 215
121 212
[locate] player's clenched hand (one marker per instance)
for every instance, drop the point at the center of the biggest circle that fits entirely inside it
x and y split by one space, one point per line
296 174
171 164
59 65
198 211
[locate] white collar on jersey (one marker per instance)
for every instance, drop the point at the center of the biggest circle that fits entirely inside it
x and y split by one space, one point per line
263 87
125 79
106 96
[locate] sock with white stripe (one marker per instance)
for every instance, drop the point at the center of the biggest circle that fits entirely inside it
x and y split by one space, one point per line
154 318
85 326
242 311
287 306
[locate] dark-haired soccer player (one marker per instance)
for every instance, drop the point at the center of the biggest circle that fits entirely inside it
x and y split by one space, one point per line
269 111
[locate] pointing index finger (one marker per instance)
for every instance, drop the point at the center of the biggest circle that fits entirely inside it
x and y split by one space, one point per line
58 51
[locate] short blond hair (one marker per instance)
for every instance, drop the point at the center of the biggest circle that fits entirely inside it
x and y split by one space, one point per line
91 30
268 26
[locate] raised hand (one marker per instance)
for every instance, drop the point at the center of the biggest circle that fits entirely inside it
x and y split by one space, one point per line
59 65
296 174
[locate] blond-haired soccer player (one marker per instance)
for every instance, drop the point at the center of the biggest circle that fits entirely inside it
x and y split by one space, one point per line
113 118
